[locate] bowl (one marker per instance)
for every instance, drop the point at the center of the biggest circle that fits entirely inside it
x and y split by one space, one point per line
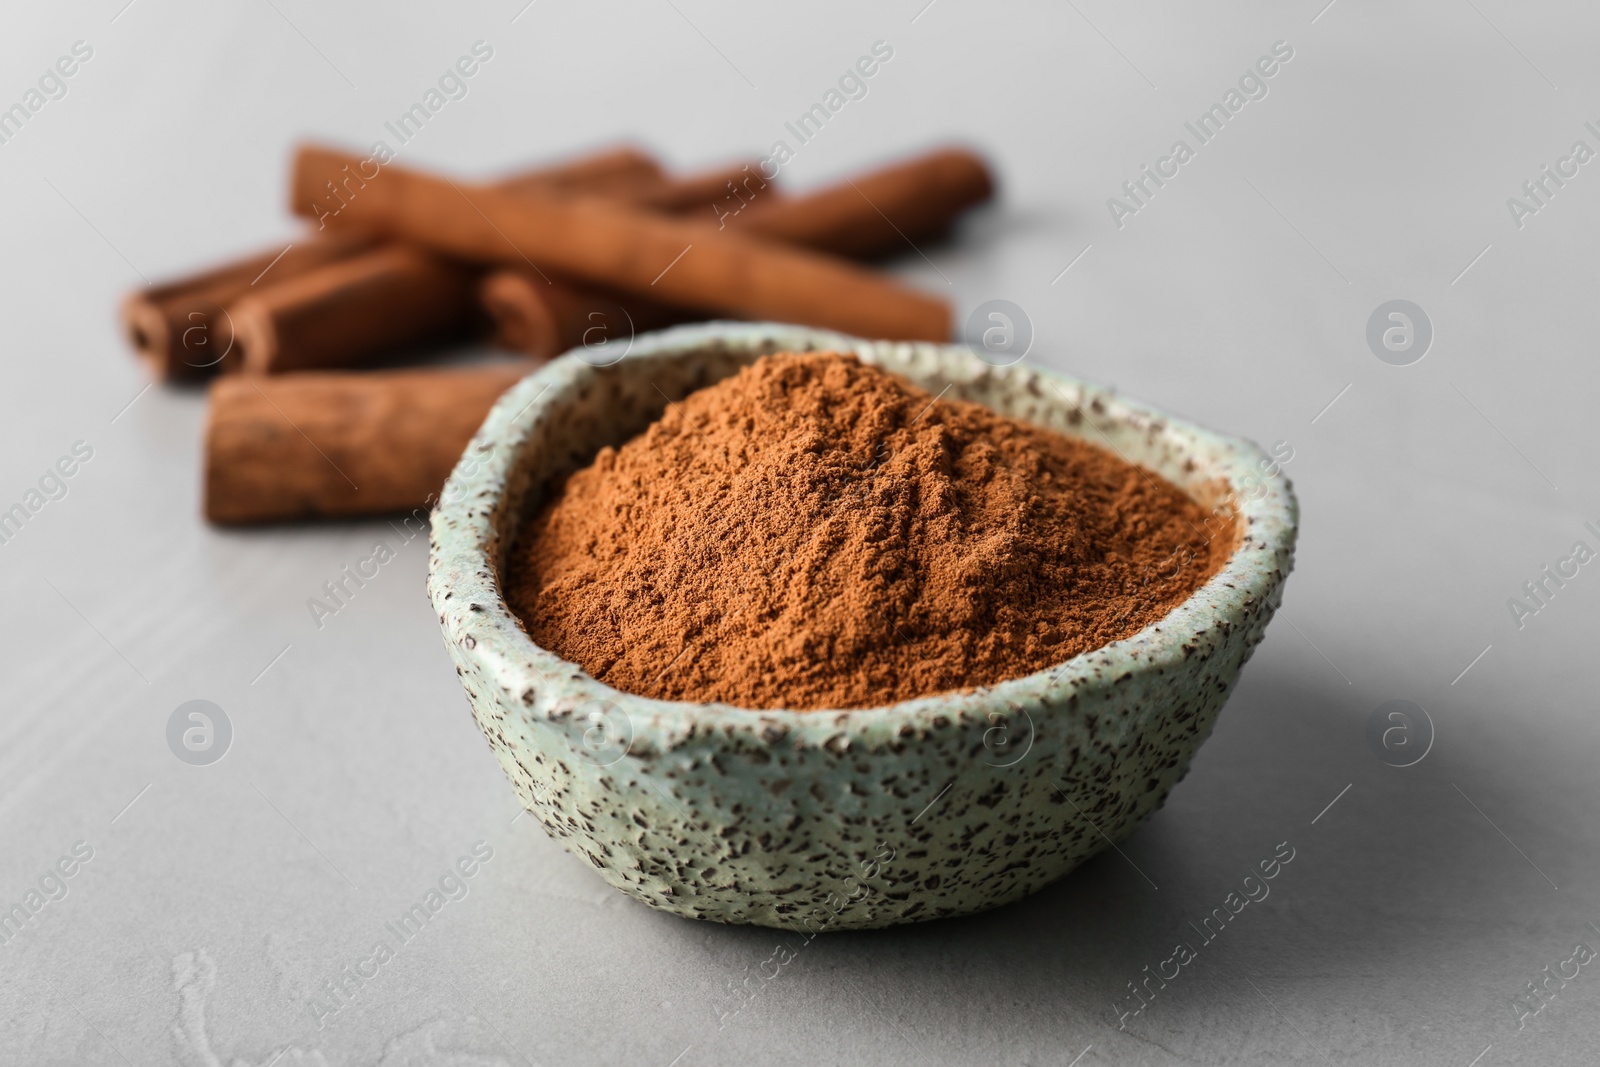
850 819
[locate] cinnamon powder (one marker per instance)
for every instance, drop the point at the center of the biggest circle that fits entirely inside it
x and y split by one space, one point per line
817 533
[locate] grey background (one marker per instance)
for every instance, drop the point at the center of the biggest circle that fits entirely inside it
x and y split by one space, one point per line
1377 168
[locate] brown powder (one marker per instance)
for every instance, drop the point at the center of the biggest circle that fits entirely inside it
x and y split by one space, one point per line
817 533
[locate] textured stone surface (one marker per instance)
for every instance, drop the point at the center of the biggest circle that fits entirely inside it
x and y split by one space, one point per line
853 819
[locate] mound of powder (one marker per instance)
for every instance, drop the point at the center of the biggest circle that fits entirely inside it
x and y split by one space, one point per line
817 533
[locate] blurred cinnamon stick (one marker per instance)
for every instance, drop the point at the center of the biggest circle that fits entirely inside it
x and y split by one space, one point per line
882 212
543 318
606 170
343 313
696 191
878 213
331 445
346 313
181 331
604 243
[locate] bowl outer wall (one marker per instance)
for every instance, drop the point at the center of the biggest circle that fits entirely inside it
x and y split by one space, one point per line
863 817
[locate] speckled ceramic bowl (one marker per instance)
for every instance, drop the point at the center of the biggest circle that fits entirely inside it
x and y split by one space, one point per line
834 820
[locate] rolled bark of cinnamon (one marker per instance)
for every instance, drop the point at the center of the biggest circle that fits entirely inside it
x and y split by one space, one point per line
349 312
180 330
330 445
343 313
543 319
880 213
607 170
611 245
701 190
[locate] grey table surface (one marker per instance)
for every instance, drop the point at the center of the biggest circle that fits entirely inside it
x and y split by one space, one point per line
217 901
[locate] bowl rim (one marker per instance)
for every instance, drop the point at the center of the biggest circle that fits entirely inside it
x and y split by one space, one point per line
483 632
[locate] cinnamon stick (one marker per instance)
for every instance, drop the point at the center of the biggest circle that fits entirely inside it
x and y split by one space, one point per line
607 244
702 189
882 212
347 311
330 445
607 170
181 331
544 318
